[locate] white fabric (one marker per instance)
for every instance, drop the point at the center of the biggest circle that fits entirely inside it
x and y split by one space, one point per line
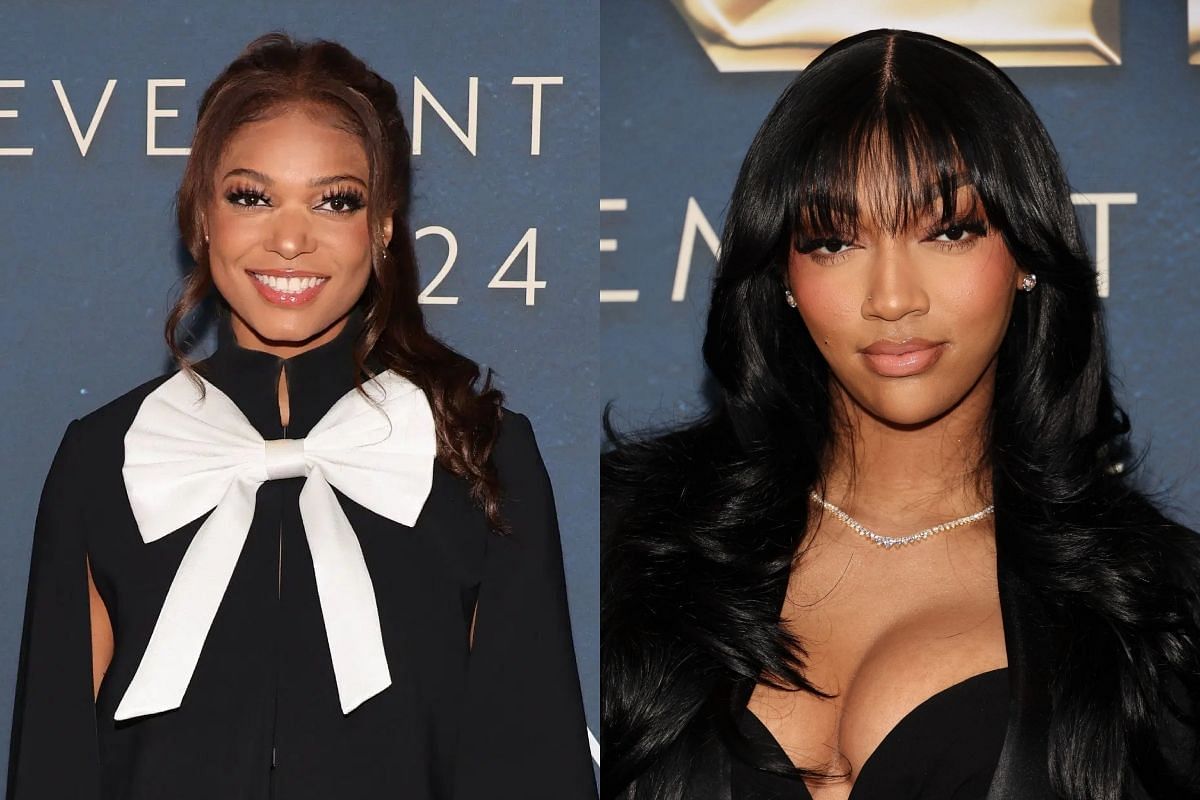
185 456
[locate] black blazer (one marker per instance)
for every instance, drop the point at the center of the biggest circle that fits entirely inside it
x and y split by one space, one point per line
261 717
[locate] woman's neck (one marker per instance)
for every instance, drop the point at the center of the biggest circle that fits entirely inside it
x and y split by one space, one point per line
899 476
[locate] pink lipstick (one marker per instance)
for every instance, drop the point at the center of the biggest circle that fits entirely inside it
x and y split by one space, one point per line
285 288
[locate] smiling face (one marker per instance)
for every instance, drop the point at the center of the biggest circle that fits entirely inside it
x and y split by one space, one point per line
910 323
289 245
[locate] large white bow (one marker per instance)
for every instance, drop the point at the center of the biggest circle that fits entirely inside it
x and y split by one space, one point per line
185 456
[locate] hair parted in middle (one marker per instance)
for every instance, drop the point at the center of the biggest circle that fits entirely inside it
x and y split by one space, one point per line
702 523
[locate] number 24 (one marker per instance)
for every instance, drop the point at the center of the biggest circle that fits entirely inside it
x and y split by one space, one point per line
530 283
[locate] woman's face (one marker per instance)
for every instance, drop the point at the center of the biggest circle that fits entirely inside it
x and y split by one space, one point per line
911 323
289 245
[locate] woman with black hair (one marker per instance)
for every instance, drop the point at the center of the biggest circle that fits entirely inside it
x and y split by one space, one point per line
902 556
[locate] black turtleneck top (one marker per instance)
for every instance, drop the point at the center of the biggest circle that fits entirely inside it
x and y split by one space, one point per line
261 717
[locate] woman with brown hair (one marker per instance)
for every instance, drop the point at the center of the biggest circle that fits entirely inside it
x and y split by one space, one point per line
251 632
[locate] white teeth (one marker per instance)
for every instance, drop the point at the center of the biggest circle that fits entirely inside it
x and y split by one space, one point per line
288 285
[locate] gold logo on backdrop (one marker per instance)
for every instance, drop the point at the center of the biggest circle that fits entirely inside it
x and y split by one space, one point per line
768 35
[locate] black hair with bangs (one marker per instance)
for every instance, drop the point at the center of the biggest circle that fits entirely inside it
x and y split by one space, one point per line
701 524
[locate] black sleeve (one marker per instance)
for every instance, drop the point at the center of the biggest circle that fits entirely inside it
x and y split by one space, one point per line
1169 769
524 734
1168 765
53 751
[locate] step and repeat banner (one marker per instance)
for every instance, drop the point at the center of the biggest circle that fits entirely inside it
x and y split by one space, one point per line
687 83
97 106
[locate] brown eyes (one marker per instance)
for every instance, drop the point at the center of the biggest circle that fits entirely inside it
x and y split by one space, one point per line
959 230
340 201
830 246
956 236
236 197
344 202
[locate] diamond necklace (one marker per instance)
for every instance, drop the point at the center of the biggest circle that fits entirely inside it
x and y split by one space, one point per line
896 541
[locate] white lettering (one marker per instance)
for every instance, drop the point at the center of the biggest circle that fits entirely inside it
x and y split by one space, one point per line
694 222
153 112
84 141
427 296
610 204
422 95
530 284
11 113
1102 200
535 136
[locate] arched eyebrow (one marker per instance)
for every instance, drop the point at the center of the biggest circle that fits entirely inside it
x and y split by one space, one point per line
314 183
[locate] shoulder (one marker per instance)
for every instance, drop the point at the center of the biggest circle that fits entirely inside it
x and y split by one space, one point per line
1172 551
115 416
515 448
527 495
1176 728
91 447
102 430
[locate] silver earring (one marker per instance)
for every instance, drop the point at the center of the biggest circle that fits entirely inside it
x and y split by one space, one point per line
1028 282
791 301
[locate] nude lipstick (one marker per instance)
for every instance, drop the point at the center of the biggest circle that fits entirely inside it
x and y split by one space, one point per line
903 359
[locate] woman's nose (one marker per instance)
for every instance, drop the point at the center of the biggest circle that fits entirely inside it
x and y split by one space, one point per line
290 234
894 289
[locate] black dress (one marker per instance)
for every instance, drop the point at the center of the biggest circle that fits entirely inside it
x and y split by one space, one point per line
946 748
261 716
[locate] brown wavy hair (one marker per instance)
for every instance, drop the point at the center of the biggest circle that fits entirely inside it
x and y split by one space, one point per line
274 73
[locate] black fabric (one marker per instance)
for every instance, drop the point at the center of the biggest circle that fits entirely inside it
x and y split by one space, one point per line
1022 769
263 692
945 749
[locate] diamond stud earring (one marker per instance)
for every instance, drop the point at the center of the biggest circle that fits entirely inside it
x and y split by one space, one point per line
1028 282
791 301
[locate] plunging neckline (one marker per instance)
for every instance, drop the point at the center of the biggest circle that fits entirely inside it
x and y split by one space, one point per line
763 734
1025 639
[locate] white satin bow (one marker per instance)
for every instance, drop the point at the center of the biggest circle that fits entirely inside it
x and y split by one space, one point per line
184 456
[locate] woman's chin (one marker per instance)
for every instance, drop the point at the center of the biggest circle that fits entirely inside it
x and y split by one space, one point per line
908 410
284 327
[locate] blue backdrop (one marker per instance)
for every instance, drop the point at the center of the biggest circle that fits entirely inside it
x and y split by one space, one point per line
675 130
91 259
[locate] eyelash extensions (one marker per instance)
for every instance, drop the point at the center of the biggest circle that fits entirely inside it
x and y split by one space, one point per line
352 199
966 225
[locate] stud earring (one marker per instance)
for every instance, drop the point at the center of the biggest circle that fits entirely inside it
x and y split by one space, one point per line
791 301
1028 282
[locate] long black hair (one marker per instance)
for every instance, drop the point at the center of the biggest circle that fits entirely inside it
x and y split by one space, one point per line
702 523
